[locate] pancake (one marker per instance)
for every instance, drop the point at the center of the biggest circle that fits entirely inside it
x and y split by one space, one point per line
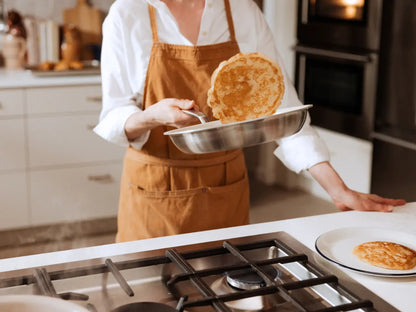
386 255
247 86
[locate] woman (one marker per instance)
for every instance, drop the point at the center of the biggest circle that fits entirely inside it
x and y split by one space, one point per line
157 59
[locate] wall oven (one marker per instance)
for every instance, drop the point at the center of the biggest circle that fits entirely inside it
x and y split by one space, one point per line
342 87
343 23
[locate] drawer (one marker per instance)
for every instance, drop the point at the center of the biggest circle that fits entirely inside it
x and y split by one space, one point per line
64 99
12 144
14 200
11 103
66 140
73 194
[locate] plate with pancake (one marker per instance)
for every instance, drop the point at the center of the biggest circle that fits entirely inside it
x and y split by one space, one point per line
370 250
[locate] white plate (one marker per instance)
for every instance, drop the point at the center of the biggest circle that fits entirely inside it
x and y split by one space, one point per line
33 303
337 245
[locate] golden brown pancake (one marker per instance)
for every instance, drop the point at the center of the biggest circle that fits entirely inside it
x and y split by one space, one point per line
247 86
386 255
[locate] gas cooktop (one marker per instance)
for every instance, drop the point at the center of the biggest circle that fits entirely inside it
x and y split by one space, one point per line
270 272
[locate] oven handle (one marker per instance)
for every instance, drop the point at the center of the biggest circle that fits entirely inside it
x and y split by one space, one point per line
366 58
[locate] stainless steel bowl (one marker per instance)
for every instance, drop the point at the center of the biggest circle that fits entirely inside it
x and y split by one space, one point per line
214 136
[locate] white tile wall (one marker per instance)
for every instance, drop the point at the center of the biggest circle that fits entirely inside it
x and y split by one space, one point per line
50 9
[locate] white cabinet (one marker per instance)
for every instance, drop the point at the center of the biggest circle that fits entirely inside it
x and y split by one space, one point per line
14 208
74 193
62 139
63 99
11 102
12 144
53 167
14 200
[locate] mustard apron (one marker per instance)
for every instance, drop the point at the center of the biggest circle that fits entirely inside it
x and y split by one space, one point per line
163 190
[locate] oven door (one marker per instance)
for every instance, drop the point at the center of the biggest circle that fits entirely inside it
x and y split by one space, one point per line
341 86
342 23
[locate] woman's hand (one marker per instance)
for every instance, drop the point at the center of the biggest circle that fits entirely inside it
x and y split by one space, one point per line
347 199
352 200
167 112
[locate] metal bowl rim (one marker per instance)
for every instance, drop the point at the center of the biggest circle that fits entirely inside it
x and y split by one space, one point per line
196 128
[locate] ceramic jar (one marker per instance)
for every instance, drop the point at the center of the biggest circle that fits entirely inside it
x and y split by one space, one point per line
14 51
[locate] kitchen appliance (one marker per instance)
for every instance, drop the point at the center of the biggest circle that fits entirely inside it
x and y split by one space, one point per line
351 24
213 136
337 62
342 87
394 137
268 272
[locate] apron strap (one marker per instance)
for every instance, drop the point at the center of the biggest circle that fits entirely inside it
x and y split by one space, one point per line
153 23
229 20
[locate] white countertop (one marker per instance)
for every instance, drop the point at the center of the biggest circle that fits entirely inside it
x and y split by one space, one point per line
10 79
400 292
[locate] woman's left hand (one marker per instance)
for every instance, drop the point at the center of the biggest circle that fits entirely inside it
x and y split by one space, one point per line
346 198
353 200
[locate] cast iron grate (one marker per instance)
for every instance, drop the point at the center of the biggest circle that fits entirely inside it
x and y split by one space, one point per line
43 279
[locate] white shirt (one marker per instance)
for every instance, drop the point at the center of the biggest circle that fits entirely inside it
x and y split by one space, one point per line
127 40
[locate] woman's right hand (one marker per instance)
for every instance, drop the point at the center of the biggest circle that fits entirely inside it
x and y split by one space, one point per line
167 112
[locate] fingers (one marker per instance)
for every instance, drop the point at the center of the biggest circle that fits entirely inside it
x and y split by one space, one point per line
388 201
185 104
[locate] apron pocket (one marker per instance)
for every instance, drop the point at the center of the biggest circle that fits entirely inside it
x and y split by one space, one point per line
161 213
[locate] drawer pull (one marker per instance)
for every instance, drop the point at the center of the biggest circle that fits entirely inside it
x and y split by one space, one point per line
97 99
91 127
104 178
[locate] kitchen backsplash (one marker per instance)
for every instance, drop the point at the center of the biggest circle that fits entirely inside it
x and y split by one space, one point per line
50 9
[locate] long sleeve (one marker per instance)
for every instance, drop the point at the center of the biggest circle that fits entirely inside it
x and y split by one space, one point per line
119 100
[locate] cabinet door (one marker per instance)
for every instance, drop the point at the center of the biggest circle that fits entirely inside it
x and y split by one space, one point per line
72 194
11 103
12 144
64 99
13 200
63 140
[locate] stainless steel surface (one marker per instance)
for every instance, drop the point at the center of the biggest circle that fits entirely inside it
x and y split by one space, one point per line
201 116
394 140
155 277
214 137
364 58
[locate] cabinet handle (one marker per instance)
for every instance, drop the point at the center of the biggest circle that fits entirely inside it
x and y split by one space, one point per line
1 105
97 99
90 127
104 178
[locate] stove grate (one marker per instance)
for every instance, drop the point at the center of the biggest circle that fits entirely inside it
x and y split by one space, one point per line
274 285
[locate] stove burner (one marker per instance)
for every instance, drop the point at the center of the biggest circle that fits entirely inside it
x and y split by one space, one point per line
248 279
145 307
